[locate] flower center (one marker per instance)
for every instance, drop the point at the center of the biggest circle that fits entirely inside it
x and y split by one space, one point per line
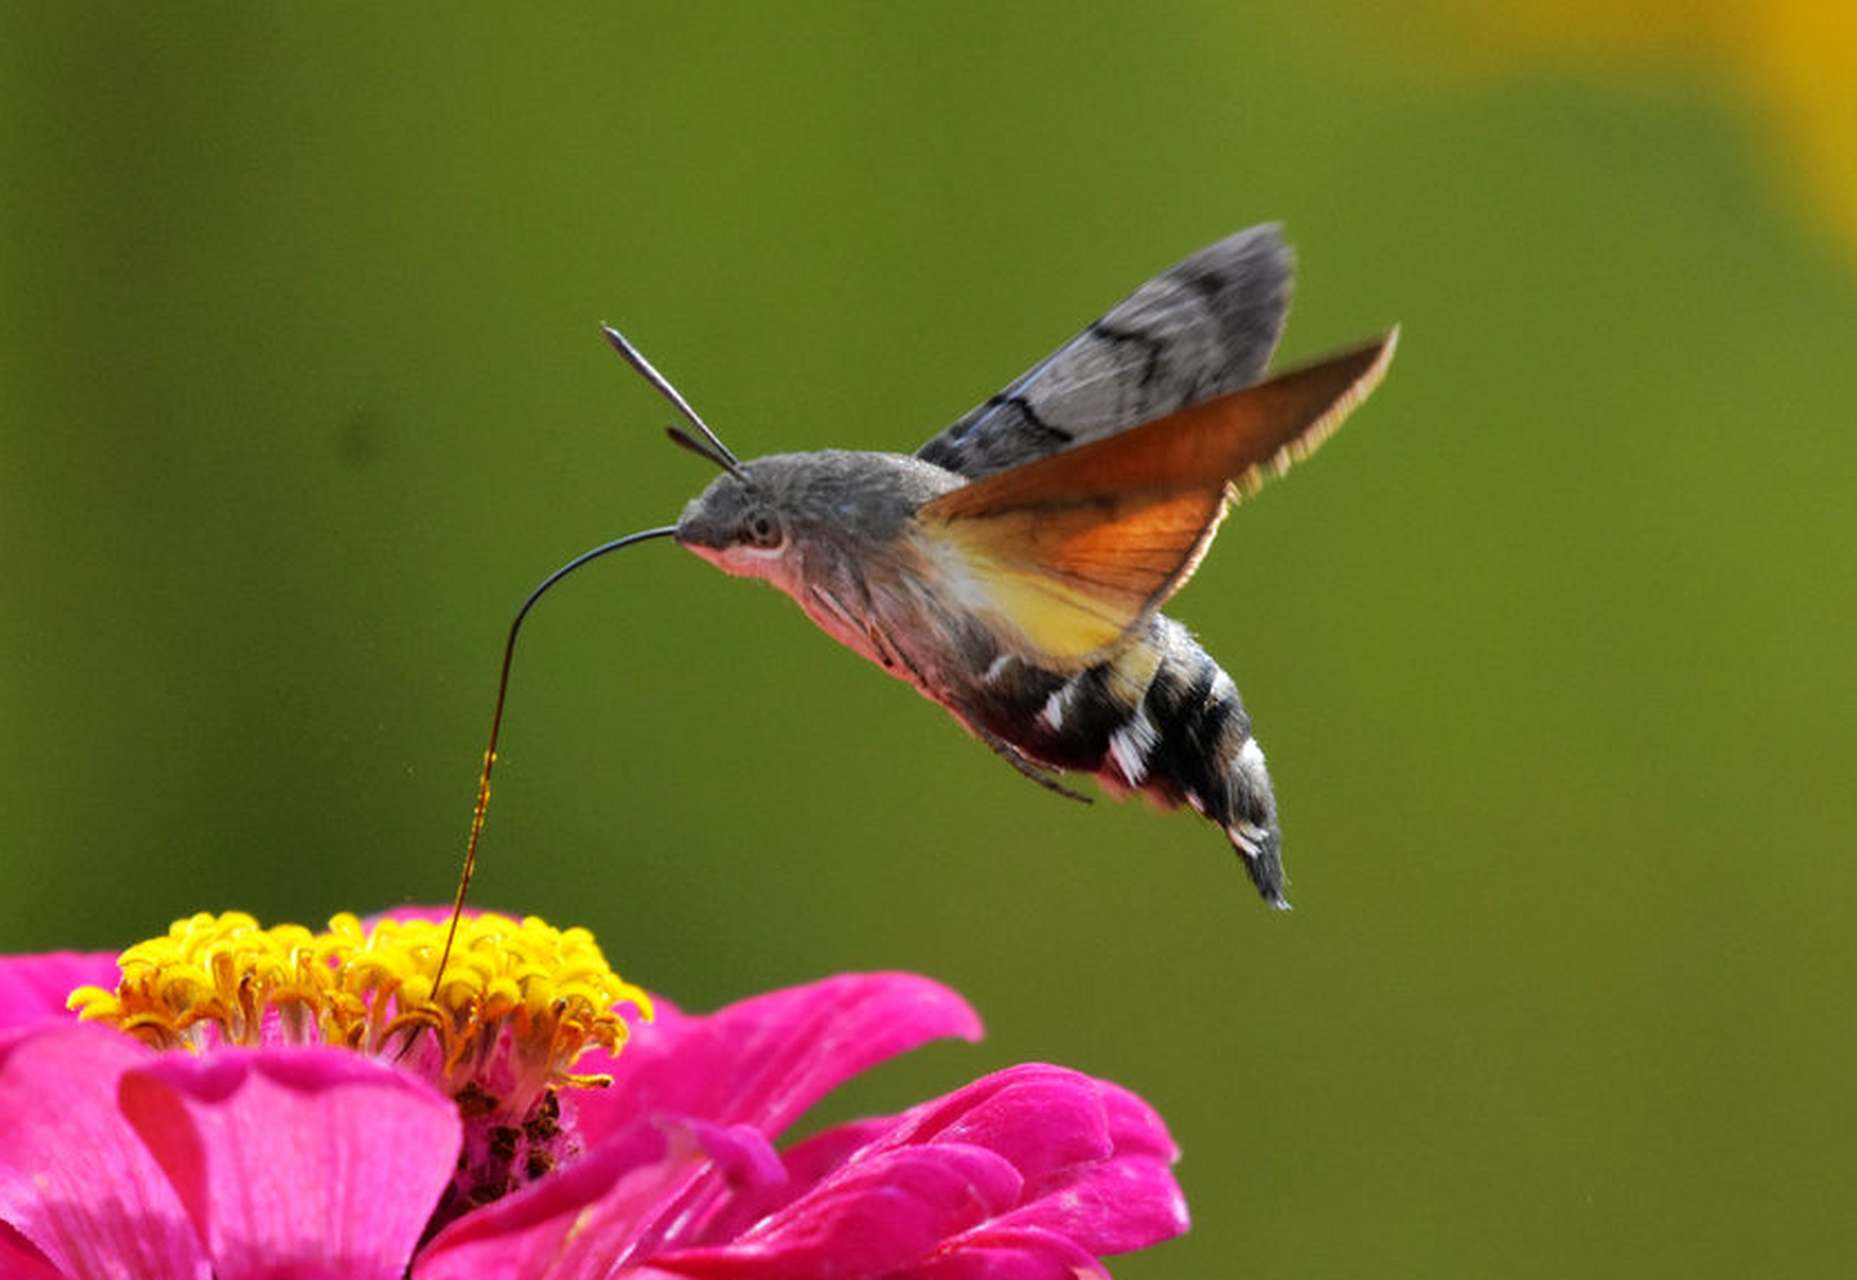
520 1002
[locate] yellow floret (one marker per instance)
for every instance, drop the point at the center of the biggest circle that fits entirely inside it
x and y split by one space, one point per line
225 979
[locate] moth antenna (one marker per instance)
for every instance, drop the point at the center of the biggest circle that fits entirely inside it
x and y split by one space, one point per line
684 440
636 358
496 724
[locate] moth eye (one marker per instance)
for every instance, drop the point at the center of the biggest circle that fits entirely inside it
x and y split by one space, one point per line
762 530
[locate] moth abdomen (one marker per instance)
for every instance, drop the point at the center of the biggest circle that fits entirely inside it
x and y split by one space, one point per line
1207 757
1161 718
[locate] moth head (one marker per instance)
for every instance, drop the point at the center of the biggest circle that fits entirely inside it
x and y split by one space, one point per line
737 523
795 518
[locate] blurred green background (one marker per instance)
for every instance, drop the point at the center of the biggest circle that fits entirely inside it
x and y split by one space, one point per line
301 390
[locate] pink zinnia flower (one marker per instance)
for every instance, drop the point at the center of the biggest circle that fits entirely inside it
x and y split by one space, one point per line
332 1116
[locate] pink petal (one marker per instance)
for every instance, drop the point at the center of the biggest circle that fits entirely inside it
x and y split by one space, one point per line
413 911
34 988
434 914
20 1261
1040 1118
1113 1207
742 1156
765 1060
807 1163
1082 1183
876 1215
1008 1253
74 1180
757 1064
743 1168
579 1224
1135 1127
1094 1156
301 1162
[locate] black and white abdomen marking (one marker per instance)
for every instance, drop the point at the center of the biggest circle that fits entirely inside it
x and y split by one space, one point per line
1161 718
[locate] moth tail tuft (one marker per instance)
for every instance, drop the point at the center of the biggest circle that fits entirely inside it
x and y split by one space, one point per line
1260 849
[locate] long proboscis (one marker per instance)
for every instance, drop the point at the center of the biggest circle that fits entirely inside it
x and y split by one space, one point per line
496 723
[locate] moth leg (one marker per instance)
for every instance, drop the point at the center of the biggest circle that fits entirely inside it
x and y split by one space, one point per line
1016 758
892 657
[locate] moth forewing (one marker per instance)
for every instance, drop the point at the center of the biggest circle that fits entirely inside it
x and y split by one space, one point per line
1204 326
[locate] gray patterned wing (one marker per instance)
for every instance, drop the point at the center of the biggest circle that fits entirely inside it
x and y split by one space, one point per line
1199 329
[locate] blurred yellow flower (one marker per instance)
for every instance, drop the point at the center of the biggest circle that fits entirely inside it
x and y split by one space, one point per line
1793 63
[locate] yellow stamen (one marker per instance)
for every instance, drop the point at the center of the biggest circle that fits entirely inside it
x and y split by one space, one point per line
540 994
